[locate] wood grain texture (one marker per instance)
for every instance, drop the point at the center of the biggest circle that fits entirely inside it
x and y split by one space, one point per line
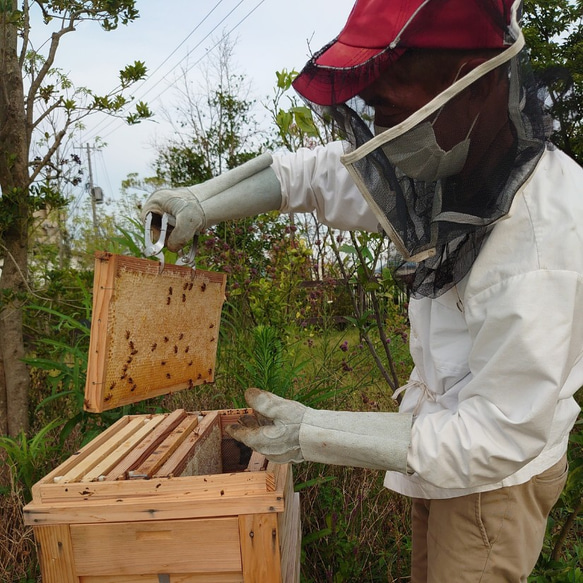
174 578
100 470
260 548
234 527
142 450
148 509
56 554
178 546
199 454
151 333
203 487
76 473
167 447
77 457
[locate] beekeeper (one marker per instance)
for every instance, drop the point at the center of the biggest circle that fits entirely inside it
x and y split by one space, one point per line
457 171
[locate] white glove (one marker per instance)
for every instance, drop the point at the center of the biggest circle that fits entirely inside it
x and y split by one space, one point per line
248 190
378 441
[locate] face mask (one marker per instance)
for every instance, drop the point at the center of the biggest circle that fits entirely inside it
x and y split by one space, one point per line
418 155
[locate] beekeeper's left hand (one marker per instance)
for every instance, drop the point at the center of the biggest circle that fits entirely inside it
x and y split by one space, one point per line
295 433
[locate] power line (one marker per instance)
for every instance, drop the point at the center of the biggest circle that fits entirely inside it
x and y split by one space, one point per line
110 121
214 46
199 60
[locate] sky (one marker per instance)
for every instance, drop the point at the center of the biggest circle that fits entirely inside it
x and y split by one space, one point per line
269 35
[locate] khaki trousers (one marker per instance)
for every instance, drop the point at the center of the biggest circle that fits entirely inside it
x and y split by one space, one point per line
490 537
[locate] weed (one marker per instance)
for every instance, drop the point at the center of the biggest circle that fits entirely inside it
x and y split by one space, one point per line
27 456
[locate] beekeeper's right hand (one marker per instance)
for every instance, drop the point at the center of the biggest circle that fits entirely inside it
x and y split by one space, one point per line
245 191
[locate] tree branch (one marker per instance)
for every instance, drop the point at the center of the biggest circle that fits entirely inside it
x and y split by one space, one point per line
37 81
49 154
25 36
45 114
562 536
364 334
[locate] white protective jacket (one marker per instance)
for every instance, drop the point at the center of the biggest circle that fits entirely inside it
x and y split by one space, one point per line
498 357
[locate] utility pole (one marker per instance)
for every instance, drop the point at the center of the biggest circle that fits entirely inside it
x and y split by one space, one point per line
95 192
91 194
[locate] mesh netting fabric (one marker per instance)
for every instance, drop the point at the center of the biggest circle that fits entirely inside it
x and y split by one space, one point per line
442 225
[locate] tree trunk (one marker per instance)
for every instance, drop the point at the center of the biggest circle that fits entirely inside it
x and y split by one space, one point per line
14 213
3 404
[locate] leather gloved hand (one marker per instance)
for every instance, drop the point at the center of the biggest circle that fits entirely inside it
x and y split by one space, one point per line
297 433
245 191
274 429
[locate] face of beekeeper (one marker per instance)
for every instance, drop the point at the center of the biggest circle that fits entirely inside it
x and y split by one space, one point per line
479 112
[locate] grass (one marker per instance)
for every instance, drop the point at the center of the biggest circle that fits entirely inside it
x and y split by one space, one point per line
354 530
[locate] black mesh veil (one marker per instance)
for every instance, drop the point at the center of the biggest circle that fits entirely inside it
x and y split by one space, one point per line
442 224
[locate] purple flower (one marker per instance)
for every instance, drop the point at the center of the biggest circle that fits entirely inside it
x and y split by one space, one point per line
346 367
344 346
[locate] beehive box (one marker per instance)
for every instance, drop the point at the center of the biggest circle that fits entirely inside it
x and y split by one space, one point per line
165 498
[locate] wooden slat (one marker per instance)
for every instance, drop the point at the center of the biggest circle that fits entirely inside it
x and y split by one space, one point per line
281 475
202 487
63 468
178 546
230 416
291 539
56 554
199 445
162 508
103 287
146 446
257 462
80 469
120 453
260 548
165 449
174 578
151 333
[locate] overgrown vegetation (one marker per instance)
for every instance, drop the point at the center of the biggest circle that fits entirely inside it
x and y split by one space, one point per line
311 314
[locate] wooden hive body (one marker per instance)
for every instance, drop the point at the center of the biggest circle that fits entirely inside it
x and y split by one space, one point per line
165 498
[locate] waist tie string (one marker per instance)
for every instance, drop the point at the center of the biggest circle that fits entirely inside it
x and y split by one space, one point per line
425 393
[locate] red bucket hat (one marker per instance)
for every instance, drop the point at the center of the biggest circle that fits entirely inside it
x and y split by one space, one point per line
379 31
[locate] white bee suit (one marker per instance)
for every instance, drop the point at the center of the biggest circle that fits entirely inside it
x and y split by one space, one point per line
497 357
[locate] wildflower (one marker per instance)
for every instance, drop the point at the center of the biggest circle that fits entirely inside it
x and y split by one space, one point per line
346 367
344 346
